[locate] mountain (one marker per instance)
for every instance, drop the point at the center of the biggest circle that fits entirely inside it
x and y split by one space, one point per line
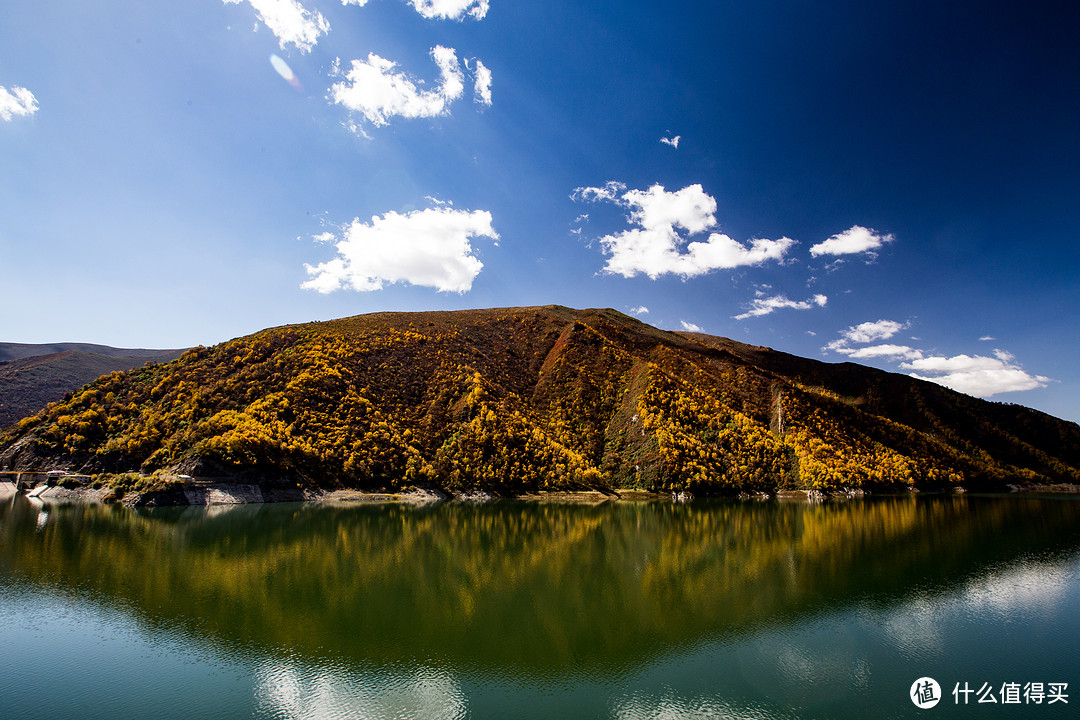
520 399
32 376
18 351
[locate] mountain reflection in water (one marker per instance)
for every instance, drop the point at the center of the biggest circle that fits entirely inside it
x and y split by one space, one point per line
707 609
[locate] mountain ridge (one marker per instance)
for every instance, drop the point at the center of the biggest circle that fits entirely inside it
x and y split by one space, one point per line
514 400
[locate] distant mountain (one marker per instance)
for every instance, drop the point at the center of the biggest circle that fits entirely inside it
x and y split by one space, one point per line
31 376
520 399
17 351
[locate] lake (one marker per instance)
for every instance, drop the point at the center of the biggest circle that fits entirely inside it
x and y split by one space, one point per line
520 609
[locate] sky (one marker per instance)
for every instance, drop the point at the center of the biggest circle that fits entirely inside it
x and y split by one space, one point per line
891 183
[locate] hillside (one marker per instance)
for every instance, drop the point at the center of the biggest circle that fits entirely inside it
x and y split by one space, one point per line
17 351
32 376
518 399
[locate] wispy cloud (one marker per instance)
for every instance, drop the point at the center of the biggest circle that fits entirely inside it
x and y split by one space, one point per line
442 9
290 22
885 350
690 327
640 310
18 101
672 141
856 239
653 245
429 248
972 374
768 305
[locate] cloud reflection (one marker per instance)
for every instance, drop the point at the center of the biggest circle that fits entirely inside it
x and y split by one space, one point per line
296 692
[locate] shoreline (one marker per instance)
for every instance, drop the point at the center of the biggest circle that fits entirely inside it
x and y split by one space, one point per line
224 492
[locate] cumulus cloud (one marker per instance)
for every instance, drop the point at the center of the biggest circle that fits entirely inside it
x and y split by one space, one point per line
768 305
976 375
856 239
372 88
451 9
870 331
429 248
690 327
290 22
442 9
653 246
640 310
672 141
18 101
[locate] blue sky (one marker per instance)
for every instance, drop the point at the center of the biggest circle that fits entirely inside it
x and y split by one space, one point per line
892 183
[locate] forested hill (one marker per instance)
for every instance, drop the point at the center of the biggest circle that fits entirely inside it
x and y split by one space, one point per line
518 399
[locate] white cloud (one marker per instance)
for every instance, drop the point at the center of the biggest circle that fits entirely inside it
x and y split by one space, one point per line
482 83
767 305
690 327
876 351
289 21
16 101
640 310
653 246
324 237
870 331
672 141
972 374
442 9
856 239
987 338
372 89
609 192
451 9
430 248
977 375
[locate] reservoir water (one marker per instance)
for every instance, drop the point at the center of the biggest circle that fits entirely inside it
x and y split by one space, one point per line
516 609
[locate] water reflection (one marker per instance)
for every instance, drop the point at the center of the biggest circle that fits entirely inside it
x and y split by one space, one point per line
289 690
637 610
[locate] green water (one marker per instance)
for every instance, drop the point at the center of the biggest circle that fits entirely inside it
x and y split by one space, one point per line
525 610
